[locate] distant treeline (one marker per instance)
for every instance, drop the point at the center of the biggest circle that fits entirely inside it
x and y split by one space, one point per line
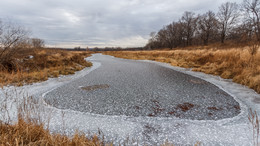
96 49
236 23
118 49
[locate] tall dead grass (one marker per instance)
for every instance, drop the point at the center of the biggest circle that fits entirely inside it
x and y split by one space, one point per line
40 64
28 133
238 64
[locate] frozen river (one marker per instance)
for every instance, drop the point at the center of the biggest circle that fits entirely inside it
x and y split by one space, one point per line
147 102
140 89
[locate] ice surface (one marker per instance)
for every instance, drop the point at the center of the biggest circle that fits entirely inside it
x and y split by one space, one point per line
135 88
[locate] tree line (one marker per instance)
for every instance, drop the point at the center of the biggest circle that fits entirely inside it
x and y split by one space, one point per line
237 23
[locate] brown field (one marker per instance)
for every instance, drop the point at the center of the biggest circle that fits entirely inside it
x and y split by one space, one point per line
237 64
44 64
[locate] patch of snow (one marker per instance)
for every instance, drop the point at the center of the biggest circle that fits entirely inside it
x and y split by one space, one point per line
31 57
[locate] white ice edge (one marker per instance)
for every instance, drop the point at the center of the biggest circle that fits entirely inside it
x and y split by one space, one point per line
120 127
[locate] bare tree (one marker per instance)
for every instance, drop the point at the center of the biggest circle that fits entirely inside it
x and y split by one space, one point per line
227 16
162 37
210 27
169 35
207 26
252 11
1 28
11 37
188 21
152 40
243 33
166 37
153 35
37 43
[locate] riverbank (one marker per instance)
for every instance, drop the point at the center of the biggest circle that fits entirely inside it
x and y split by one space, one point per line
36 65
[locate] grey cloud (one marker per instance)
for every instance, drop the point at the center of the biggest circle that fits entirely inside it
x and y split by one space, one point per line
99 22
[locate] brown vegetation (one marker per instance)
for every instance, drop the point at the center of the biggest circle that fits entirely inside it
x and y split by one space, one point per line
254 121
29 133
156 108
185 106
34 65
238 64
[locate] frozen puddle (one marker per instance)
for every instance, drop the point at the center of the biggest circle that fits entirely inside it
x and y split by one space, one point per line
144 129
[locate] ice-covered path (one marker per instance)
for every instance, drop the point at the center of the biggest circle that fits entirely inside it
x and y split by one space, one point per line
146 101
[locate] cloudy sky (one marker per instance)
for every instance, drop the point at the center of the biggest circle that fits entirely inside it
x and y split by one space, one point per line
124 23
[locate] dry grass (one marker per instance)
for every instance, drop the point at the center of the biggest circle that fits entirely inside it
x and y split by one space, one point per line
237 63
28 133
45 63
254 121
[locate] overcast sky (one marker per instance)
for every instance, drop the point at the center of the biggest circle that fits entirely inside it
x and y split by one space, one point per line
124 23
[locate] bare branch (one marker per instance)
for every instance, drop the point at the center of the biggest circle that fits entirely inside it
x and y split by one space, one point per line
252 11
227 16
11 37
207 26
